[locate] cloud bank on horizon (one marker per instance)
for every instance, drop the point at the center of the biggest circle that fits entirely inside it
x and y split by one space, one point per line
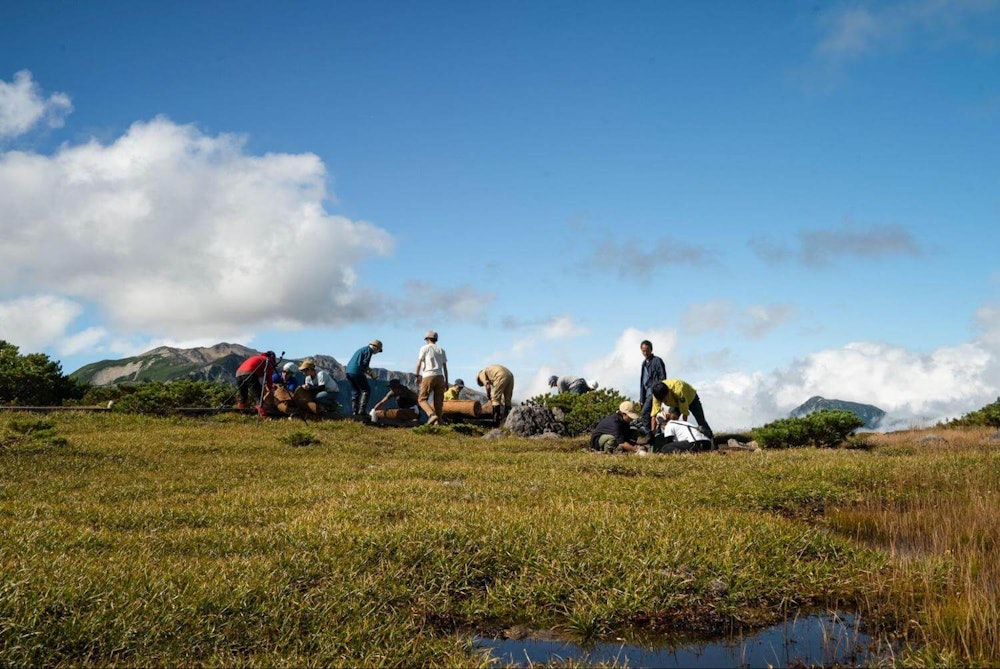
168 234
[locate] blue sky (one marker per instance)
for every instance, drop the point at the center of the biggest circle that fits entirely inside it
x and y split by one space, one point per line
787 199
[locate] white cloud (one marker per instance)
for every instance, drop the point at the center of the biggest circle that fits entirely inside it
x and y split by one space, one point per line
757 320
852 32
620 368
706 316
36 322
89 339
555 329
754 322
23 106
183 234
562 327
913 388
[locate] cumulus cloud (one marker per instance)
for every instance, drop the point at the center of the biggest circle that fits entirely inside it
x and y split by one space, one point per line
823 247
754 321
914 388
620 368
36 322
555 329
173 231
24 106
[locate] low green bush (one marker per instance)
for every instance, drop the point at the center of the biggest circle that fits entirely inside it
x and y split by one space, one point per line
28 429
988 416
582 412
300 438
160 398
827 428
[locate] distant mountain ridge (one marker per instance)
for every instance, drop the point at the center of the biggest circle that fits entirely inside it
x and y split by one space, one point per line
871 415
219 363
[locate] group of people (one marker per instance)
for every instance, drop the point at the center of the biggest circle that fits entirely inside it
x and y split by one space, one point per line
658 423
661 422
259 382
259 377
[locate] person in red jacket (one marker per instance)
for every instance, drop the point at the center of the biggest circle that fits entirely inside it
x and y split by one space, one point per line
253 376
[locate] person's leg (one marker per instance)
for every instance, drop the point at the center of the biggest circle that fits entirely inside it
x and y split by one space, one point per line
699 416
425 391
439 387
355 393
255 389
607 443
242 389
366 391
647 412
326 400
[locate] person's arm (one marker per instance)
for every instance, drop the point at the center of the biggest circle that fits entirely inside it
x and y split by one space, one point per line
382 401
444 366
661 369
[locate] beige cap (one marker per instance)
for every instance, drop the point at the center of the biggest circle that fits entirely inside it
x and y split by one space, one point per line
433 336
307 364
628 409
377 344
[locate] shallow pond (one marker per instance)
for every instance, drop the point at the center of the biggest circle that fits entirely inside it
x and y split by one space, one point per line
819 640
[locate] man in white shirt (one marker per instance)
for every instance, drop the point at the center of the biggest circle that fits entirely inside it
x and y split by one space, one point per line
680 435
432 373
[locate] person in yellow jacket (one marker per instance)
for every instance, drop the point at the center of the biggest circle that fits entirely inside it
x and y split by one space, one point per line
455 392
499 383
683 396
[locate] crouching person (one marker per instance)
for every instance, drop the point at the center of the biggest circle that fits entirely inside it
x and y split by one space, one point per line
680 394
405 401
279 397
679 435
614 433
319 390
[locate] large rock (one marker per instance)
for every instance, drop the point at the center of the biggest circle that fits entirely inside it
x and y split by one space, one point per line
527 421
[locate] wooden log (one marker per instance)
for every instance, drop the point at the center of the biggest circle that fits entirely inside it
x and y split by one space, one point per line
396 414
471 408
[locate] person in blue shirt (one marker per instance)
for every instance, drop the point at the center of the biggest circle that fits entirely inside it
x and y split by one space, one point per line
358 370
653 371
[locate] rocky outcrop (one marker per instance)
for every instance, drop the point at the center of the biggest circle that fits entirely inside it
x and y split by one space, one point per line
531 420
870 414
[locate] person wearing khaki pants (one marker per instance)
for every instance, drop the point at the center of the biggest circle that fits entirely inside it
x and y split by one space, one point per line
432 372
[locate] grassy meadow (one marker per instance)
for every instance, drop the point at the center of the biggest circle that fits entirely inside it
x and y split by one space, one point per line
224 541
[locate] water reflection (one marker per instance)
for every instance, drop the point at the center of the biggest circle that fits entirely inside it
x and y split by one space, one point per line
823 640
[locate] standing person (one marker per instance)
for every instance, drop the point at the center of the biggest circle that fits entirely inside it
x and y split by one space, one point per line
612 433
358 370
572 384
684 397
432 372
653 371
455 392
253 376
499 383
321 383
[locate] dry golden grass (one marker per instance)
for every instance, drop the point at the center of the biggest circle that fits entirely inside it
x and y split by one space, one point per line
938 519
